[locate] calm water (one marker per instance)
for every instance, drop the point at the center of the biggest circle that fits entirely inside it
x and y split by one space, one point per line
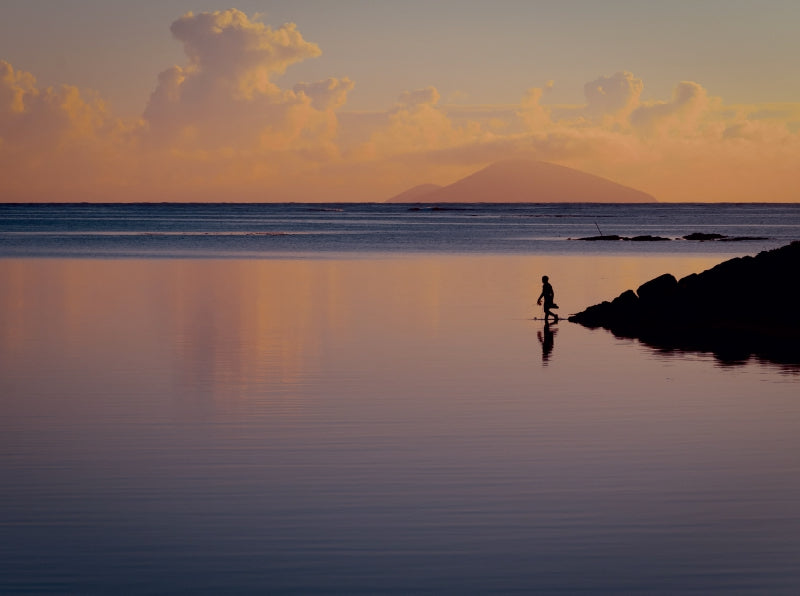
386 419
196 231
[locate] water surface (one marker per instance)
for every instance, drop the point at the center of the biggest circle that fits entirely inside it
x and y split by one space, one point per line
378 423
281 230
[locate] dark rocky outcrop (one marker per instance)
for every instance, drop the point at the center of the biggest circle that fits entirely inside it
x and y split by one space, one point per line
747 306
612 237
647 238
703 237
604 238
698 236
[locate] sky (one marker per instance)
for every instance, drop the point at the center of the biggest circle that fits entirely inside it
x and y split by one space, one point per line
355 100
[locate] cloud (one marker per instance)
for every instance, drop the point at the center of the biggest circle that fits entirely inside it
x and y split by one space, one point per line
225 98
329 94
56 143
614 97
14 86
682 113
534 115
227 47
690 148
415 124
50 116
216 124
220 127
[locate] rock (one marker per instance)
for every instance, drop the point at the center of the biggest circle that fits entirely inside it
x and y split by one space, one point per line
742 238
703 236
742 307
658 290
648 238
625 302
596 238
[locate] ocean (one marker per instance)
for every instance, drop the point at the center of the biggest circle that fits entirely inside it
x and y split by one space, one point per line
357 399
267 230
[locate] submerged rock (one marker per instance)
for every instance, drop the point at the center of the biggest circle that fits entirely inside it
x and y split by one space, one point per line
648 238
742 238
644 238
742 307
702 237
698 236
609 237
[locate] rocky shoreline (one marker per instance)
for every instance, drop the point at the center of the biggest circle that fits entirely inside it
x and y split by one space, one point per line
743 307
695 236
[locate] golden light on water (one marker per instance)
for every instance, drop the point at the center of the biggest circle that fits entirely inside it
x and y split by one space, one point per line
277 320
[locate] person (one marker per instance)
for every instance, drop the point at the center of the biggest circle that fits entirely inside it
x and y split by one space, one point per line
547 295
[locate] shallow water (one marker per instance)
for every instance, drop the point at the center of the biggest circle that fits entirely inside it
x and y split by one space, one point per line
378 424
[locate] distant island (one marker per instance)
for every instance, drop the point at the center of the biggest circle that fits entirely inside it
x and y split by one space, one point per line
525 181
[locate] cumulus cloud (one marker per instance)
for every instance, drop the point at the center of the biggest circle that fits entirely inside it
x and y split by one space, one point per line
14 86
329 94
224 96
56 143
679 149
682 113
613 97
415 124
220 127
216 122
29 115
534 115
227 47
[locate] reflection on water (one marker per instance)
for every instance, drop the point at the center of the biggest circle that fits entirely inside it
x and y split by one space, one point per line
377 425
547 338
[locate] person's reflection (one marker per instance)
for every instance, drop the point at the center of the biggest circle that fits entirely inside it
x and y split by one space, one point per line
546 339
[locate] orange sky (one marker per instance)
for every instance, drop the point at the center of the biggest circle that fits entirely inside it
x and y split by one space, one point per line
223 124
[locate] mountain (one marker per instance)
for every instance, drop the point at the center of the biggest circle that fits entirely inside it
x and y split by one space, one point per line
415 194
527 181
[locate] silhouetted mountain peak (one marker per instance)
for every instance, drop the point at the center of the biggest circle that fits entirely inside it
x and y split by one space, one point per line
528 181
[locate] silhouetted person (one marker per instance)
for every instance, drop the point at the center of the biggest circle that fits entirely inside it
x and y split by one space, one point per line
547 295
